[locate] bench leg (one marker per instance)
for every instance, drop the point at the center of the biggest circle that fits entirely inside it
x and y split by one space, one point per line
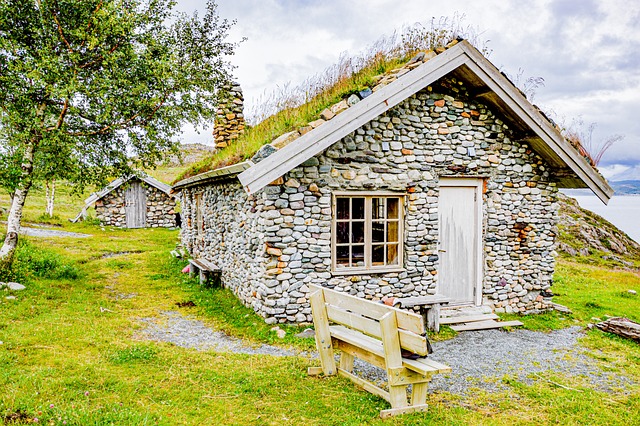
398 396
346 362
432 317
419 393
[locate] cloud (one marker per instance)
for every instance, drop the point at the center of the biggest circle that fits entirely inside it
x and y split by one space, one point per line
586 50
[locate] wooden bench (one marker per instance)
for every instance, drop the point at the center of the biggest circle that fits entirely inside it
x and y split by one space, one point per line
429 308
377 334
209 273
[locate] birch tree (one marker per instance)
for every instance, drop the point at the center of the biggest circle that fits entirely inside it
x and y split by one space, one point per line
100 87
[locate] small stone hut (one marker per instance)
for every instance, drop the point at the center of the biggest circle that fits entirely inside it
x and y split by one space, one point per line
134 202
441 179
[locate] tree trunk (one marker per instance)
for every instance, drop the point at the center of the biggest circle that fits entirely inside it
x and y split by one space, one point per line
17 204
50 196
13 224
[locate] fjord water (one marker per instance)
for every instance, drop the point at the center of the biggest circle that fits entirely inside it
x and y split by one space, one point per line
623 211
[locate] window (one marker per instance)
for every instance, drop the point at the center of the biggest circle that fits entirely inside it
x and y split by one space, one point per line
367 231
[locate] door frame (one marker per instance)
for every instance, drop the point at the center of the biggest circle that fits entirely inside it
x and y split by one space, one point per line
478 184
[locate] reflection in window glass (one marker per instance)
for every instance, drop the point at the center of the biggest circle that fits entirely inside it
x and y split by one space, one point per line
392 208
343 208
357 208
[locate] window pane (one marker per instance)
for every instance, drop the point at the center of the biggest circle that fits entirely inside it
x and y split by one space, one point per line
392 231
377 232
377 255
342 232
393 208
357 232
342 256
357 255
377 208
357 205
392 254
342 207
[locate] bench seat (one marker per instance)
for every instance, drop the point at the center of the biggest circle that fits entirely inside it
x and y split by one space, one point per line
377 334
208 272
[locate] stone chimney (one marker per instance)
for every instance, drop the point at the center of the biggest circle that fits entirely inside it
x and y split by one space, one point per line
229 122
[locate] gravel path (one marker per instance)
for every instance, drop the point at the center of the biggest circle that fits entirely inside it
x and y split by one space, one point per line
40 232
185 332
478 359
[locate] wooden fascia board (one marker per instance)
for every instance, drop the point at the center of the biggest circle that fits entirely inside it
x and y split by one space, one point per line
157 184
540 125
222 172
321 138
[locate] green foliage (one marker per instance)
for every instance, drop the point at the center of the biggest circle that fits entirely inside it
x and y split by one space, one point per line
32 261
93 88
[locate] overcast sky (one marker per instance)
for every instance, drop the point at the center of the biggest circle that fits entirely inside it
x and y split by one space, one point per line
587 51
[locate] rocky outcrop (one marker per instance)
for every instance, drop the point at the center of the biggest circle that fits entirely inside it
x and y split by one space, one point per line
583 233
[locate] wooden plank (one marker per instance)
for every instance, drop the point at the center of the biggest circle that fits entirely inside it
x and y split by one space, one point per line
319 139
468 318
410 302
385 414
393 358
346 361
406 320
359 353
370 387
485 325
408 340
368 344
314 371
323 335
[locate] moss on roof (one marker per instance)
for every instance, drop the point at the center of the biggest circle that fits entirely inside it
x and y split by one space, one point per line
290 123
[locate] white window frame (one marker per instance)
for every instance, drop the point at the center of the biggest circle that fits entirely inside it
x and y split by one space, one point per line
368 268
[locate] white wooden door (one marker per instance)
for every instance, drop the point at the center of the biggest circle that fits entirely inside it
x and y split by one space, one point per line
135 202
460 214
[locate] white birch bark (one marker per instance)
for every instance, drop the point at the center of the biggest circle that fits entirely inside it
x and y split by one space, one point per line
50 196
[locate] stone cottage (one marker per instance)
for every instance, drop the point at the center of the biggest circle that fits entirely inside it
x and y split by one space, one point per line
441 179
134 202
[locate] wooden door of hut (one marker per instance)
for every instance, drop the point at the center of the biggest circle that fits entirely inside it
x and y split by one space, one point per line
135 201
460 252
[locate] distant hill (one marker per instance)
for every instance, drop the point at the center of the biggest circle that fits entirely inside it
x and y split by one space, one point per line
626 187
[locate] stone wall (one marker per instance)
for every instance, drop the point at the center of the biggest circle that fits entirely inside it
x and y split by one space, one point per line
161 213
233 236
406 150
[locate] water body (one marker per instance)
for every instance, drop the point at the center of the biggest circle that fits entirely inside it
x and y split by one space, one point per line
622 211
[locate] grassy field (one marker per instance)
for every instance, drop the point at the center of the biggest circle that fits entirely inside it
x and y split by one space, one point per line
71 350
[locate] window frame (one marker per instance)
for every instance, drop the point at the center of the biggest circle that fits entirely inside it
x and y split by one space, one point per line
368 268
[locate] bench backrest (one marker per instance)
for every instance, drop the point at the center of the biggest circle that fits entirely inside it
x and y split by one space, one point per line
364 316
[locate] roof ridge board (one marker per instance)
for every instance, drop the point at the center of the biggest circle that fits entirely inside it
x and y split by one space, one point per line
388 96
480 65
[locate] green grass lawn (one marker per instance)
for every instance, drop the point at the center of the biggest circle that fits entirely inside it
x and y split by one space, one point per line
71 350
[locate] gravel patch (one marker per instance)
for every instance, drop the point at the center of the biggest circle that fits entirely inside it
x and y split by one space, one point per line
186 332
480 359
39 232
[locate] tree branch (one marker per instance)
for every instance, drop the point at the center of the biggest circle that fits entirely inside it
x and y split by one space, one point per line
55 18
